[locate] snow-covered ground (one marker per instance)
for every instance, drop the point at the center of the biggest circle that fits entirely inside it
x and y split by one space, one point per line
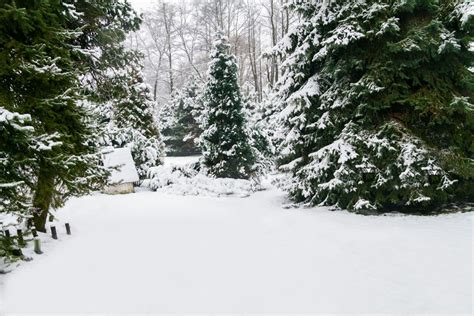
180 161
153 252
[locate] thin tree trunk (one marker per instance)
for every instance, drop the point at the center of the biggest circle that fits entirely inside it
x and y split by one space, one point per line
274 69
43 198
168 25
252 52
155 88
260 71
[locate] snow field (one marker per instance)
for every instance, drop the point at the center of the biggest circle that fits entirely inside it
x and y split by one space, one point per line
153 252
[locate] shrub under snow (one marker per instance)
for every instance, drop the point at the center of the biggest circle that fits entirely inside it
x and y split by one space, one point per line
187 180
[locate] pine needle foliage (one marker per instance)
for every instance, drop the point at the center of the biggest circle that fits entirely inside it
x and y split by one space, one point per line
181 120
377 102
39 72
225 143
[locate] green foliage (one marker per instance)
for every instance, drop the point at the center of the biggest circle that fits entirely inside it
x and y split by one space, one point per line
225 142
260 129
15 159
8 250
46 47
180 118
103 27
377 99
39 76
129 120
113 83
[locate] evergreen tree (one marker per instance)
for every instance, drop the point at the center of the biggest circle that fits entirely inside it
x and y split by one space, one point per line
103 27
182 128
377 100
130 120
226 149
113 81
19 148
39 77
259 131
15 142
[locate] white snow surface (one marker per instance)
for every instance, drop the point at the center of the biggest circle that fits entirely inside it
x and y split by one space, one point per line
121 158
181 160
153 252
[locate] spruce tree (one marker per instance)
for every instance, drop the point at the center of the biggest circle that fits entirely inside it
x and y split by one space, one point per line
102 28
225 142
15 156
377 102
130 120
259 131
180 116
39 76
113 81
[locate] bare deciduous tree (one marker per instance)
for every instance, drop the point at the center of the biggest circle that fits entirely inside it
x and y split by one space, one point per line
177 39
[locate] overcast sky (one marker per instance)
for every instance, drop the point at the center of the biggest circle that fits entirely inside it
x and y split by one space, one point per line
140 4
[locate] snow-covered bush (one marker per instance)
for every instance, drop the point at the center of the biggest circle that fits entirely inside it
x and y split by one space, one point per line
189 180
147 152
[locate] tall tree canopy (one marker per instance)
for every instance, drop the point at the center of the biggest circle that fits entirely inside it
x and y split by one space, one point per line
56 58
377 102
40 78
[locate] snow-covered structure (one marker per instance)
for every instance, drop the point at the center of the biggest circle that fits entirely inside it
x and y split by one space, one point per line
124 173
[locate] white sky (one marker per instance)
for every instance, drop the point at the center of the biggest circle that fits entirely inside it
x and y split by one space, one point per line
142 4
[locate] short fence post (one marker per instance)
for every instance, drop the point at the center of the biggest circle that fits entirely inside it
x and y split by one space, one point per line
7 232
68 229
21 240
37 242
53 232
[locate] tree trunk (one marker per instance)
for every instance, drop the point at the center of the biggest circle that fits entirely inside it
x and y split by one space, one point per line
168 23
252 52
155 88
43 198
274 35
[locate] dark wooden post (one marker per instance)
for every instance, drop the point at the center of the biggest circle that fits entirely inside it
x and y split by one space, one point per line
19 235
54 234
7 232
68 229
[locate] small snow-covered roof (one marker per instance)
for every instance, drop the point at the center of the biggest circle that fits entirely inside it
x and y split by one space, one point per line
122 158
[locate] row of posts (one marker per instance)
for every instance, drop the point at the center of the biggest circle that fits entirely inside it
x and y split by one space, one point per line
36 240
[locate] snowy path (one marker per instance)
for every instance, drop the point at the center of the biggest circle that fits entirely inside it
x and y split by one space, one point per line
151 252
